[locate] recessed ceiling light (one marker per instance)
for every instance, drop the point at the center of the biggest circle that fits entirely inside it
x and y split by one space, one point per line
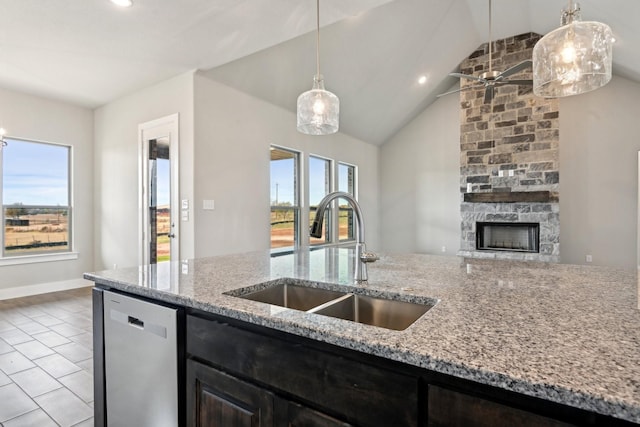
122 3
422 80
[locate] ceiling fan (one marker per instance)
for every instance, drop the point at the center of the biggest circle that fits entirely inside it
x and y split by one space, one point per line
492 79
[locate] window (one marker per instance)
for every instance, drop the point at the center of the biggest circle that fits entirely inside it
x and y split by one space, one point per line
285 206
319 186
36 206
346 183
291 190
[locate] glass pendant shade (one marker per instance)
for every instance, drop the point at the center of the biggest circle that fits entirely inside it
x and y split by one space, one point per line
573 59
318 110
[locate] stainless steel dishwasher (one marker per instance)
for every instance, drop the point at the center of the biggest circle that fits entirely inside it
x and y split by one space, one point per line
141 363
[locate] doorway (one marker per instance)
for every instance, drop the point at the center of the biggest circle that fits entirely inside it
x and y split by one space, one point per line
159 190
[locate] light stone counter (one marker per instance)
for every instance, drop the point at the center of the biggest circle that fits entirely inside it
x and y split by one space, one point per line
565 333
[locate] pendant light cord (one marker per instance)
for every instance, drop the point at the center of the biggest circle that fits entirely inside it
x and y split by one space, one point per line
490 39
318 38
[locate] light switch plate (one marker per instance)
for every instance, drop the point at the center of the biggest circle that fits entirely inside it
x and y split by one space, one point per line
185 215
208 205
185 204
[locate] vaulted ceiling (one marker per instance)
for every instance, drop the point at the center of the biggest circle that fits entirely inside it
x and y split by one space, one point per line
89 53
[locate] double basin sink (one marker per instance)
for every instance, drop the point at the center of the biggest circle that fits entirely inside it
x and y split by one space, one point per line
385 312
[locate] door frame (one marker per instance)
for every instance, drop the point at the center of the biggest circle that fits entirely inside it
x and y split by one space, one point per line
167 126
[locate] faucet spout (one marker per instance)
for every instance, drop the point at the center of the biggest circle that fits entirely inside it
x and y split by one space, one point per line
316 226
362 257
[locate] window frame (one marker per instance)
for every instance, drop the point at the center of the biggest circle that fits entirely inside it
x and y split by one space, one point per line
329 221
44 255
297 194
354 194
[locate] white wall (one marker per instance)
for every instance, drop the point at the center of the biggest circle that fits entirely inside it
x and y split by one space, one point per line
116 166
420 182
224 155
233 132
30 117
599 146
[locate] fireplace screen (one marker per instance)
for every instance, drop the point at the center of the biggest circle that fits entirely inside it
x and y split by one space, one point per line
508 236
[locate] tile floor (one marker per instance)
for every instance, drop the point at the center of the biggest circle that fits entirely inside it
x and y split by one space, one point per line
46 366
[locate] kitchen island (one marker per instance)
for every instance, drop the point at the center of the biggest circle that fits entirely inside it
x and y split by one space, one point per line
559 340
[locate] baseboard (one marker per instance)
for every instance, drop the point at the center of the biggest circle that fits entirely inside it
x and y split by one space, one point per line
43 288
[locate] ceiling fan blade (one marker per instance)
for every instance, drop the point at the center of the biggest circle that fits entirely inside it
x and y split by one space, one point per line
466 76
516 82
488 94
515 69
457 90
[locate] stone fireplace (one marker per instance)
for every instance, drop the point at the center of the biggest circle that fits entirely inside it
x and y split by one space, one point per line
509 151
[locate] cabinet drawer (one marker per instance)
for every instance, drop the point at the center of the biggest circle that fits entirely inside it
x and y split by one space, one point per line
300 416
360 393
450 408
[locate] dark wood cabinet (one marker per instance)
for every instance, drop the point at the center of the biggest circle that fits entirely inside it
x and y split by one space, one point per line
215 399
338 385
296 415
448 408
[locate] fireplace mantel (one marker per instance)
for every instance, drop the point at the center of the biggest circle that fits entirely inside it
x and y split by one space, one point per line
510 197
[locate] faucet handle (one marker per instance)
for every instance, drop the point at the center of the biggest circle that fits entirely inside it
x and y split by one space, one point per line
369 257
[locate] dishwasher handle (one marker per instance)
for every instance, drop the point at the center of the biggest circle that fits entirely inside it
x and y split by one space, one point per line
135 322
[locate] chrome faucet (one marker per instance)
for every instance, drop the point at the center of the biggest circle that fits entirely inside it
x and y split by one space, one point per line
362 257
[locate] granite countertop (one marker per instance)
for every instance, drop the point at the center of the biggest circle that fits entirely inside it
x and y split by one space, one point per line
564 333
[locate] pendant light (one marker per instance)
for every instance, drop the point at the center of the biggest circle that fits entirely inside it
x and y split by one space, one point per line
318 109
573 59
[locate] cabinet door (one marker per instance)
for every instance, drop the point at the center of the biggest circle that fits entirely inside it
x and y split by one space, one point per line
301 416
449 408
215 399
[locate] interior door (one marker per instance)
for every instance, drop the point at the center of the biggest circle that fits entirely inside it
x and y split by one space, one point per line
159 191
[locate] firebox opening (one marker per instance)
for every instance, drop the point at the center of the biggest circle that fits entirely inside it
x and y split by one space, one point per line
508 236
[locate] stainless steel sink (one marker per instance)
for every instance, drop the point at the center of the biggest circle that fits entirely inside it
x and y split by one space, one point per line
389 313
293 296
385 313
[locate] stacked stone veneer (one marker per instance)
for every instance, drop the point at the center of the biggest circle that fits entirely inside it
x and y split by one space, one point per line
510 144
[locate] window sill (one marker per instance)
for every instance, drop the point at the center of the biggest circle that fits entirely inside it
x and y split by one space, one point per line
290 249
33 259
